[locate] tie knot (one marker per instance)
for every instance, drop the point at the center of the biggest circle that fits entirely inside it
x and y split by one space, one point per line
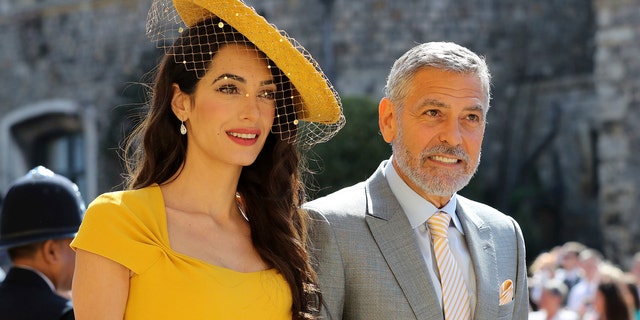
438 224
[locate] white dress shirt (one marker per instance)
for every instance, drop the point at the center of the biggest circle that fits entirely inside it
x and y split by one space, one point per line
418 211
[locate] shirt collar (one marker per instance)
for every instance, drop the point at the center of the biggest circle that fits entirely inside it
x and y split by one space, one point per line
417 208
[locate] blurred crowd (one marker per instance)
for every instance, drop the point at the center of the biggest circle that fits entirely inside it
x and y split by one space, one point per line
574 281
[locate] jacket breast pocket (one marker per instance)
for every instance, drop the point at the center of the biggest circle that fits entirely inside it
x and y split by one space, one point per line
505 311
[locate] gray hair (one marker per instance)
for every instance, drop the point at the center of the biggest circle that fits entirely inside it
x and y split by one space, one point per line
447 56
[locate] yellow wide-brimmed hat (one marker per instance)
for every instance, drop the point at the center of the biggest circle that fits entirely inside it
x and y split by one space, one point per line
318 101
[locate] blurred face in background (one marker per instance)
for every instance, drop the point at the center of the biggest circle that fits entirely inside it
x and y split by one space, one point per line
570 261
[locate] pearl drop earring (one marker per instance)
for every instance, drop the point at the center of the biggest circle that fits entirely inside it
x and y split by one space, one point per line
183 129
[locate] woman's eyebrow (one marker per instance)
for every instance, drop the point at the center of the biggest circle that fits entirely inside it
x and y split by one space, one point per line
240 79
229 76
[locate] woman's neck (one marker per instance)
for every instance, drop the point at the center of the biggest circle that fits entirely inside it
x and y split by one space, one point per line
203 189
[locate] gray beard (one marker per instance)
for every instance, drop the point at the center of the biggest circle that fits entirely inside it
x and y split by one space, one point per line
434 182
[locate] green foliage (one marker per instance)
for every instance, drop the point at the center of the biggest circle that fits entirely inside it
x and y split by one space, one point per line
353 154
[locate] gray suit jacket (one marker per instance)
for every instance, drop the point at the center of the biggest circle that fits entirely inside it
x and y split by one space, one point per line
370 266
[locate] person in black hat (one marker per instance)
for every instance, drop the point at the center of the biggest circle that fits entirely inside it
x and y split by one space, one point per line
41 214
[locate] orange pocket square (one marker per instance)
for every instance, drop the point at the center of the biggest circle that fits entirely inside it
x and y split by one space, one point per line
506 292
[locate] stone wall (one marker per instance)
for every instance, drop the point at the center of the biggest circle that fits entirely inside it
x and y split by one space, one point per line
618 112
76 50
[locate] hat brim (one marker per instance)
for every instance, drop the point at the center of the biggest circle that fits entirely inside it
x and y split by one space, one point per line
319 100
21 241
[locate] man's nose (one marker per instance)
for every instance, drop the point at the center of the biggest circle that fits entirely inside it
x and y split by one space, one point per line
450 132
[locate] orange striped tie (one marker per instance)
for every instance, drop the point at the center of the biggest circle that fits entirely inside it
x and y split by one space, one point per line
455 295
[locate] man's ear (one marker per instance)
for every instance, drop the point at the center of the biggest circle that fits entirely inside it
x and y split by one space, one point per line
387 119
50 251
180 103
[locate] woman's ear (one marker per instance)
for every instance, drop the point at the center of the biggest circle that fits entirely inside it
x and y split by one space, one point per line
180 103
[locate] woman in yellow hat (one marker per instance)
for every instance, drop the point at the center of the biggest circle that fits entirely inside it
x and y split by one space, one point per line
210 227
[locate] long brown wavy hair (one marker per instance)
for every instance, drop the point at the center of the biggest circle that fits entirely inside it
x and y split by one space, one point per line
271 189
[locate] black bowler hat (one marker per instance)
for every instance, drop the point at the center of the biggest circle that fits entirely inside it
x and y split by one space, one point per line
41 205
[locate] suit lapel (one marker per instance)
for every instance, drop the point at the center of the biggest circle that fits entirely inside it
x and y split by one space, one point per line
394 236
482 250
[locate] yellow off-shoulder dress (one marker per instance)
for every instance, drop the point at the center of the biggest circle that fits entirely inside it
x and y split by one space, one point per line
129 227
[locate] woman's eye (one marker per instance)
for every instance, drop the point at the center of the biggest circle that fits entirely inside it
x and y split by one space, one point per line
271 95
228 89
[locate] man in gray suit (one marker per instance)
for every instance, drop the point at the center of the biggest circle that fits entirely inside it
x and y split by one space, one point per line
372 245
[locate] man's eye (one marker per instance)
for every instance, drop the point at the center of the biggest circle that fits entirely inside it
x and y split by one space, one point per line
474 117
431 113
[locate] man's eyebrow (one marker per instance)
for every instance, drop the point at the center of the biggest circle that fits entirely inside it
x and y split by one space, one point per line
439 104
434 103
475 107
